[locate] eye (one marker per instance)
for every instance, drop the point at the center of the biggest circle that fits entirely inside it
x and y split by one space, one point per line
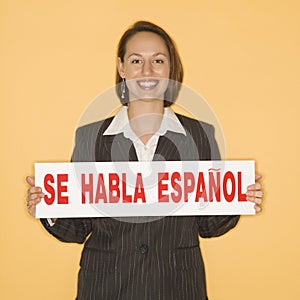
159 61
136 61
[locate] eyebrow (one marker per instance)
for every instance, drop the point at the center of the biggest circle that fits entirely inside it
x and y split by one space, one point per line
154 55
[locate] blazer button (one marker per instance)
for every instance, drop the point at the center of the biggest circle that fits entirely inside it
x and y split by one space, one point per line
143 249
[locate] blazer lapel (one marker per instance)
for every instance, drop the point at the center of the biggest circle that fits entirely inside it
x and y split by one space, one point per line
169 146
115 148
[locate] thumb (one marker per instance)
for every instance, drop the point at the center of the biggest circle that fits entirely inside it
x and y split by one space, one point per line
30 180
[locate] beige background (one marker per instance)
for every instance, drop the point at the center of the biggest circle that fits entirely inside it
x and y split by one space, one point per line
243 56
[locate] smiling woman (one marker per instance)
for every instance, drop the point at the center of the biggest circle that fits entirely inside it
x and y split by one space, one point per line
145 66
144 37
143 257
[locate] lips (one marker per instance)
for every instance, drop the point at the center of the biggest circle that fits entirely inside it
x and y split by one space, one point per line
148 84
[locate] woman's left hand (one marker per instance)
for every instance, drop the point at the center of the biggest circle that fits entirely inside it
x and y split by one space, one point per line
254 193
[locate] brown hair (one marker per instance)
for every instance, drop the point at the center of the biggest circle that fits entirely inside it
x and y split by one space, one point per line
176 69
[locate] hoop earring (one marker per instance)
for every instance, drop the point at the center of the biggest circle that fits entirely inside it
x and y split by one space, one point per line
123 88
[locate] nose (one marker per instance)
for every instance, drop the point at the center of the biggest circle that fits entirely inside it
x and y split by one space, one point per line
147 68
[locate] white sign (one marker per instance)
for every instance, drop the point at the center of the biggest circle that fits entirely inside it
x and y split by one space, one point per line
157 188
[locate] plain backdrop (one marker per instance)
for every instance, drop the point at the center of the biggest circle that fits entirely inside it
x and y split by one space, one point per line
242 56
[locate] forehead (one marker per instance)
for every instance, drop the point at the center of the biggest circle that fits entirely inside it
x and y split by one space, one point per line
146 43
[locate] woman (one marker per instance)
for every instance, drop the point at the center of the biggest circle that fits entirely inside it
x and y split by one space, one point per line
143 258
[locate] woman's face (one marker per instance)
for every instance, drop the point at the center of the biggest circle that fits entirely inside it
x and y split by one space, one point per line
146 66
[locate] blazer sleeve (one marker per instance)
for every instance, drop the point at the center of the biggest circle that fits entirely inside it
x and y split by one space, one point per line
69 230
213 226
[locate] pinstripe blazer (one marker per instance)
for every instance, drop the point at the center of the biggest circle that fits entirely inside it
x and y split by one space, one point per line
142 258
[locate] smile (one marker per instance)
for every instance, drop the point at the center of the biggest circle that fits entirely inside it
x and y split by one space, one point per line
147 84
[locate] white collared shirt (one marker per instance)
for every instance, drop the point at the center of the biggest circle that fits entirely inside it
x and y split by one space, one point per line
145 152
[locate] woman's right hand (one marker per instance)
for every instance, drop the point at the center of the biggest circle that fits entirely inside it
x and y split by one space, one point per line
34 196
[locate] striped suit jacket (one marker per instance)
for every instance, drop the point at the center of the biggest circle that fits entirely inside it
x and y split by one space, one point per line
142 258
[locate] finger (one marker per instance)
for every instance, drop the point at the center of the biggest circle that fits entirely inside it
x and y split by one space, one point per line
257 208
30 180
255 186
34 197
258 193
32 210
258 177
33 202
255 200
31 206
34 190
31 198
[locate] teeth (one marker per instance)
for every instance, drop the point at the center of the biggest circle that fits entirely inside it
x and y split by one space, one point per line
147 83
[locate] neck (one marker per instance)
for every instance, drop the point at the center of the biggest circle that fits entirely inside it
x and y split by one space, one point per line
145 117
143 107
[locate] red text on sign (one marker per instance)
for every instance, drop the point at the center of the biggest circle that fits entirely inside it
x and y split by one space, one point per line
186 185
113 191
49 183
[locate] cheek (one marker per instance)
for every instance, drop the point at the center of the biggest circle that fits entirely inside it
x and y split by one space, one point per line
166 72
163 71
131 72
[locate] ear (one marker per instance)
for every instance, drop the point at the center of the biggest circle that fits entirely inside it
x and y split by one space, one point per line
120 68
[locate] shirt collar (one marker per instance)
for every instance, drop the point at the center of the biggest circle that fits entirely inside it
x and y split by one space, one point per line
120 124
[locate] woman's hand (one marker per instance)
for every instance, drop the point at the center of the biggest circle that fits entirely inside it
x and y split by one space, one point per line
254 193
34 197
